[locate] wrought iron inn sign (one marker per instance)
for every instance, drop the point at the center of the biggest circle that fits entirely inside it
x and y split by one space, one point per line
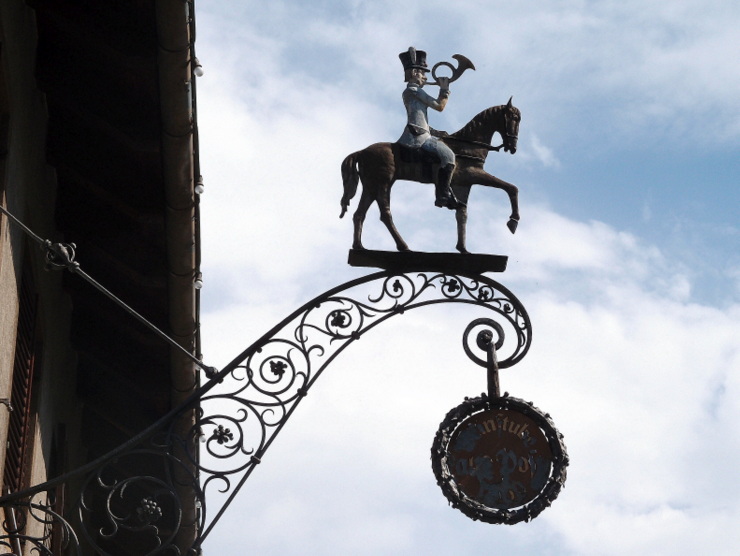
496 458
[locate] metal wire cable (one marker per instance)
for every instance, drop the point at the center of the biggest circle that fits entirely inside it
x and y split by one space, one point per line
61 256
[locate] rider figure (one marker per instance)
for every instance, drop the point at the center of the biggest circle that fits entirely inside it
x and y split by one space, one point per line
417 133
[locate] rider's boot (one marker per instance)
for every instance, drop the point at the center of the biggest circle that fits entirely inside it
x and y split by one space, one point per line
443 190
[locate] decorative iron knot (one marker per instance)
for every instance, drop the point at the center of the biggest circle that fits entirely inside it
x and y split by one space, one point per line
222 435
485 339
451 286
60 256
149 511
278 368
339 319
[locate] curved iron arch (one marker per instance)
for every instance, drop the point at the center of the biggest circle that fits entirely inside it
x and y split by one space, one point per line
243 407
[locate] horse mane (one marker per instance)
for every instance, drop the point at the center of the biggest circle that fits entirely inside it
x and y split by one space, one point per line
479 127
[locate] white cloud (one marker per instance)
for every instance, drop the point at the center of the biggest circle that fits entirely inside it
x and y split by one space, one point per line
642 383
642 380
543 154
650 68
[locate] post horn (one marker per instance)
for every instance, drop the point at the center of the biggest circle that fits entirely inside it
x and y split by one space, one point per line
462 64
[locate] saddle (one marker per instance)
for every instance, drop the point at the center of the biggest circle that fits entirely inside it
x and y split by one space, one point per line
414 163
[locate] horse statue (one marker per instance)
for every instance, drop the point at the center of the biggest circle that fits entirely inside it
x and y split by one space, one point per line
381 164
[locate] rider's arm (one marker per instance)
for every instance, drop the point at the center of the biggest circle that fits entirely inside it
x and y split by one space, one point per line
438 103
444 92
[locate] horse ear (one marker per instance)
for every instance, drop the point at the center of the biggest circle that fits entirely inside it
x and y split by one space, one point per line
509 104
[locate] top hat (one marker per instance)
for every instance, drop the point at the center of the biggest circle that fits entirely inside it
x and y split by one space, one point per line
414 59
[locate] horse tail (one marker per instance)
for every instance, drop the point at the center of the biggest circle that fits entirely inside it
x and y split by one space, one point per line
350 178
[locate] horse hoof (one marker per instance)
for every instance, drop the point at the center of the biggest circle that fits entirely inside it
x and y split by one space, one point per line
463 250
512 224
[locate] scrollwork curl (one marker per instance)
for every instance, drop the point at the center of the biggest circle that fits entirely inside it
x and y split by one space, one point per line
400 288
243 407
37 514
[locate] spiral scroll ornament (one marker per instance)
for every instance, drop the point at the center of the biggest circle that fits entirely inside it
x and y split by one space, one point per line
136 491
267 382
36 524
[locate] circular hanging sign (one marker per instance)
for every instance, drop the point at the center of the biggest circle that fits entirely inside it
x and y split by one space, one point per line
499 460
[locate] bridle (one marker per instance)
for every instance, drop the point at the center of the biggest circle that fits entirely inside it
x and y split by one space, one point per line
508 135
476 143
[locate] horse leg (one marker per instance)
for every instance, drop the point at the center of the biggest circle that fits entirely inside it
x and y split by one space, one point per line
484 178
461 216
384 203
513 192
358 218
514 200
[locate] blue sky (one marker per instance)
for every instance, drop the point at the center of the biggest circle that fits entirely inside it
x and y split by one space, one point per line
627 258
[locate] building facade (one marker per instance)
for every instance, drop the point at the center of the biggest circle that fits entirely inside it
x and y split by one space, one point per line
98 148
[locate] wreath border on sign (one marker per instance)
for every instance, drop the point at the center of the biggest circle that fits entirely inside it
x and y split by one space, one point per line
474 509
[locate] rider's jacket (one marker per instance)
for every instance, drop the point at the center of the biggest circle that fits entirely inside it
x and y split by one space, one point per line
416 101
416 133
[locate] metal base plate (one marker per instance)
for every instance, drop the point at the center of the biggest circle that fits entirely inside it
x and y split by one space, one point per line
440 262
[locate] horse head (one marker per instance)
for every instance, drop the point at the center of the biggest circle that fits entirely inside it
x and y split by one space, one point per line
503 120
512 117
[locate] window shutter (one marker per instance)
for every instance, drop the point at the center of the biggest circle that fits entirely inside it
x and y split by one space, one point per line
23 365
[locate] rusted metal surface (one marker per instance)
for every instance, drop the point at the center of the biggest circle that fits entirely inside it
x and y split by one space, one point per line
499 460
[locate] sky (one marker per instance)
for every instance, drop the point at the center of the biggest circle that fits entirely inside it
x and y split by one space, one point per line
627 259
